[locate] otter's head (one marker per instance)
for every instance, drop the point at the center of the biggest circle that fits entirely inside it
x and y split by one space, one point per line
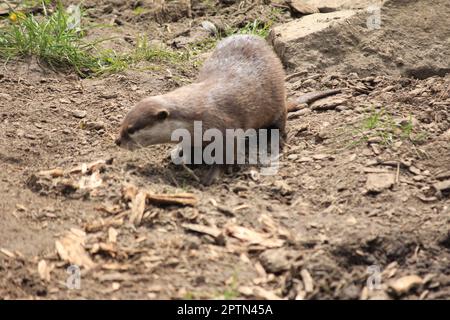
148 123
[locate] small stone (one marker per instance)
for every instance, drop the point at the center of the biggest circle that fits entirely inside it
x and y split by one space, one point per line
276 260
282 187
210 27
442 186
301 6
414 170
64 101
377 182
95 125
404 285
80 114
5 96
20 133
328 103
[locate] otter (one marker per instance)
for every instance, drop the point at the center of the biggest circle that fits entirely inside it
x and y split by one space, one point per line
240 86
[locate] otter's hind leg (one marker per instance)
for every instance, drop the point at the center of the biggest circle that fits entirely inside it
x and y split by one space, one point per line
280 124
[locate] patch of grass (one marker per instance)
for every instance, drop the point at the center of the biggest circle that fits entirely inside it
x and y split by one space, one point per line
50 38
189 296
275 14
230 292
380 125
256 27
145 52
140 10
54 40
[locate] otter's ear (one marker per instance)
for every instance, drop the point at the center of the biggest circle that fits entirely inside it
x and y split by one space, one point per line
163 114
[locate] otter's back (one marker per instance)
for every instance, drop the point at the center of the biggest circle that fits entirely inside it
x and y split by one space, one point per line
241 56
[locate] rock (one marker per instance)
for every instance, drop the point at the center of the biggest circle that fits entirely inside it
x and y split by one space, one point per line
442 185
286 38
305 159
210 27
276 260
282 187
377 182
328 103
404 285
322 156
335 5
94 125
80 114
302 6
5 96
299 113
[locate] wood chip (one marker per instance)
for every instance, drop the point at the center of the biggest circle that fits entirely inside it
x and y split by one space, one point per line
214 232
88 168
129 192
7 253
246 291
44 270
102 224
71 249
265 294
183 199
110 209
253 237
53 173
378 182
307 280
138 208
112 235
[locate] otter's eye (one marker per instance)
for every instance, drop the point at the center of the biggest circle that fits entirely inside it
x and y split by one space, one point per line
131 130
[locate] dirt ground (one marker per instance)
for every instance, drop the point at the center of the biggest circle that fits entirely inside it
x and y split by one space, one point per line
363 183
